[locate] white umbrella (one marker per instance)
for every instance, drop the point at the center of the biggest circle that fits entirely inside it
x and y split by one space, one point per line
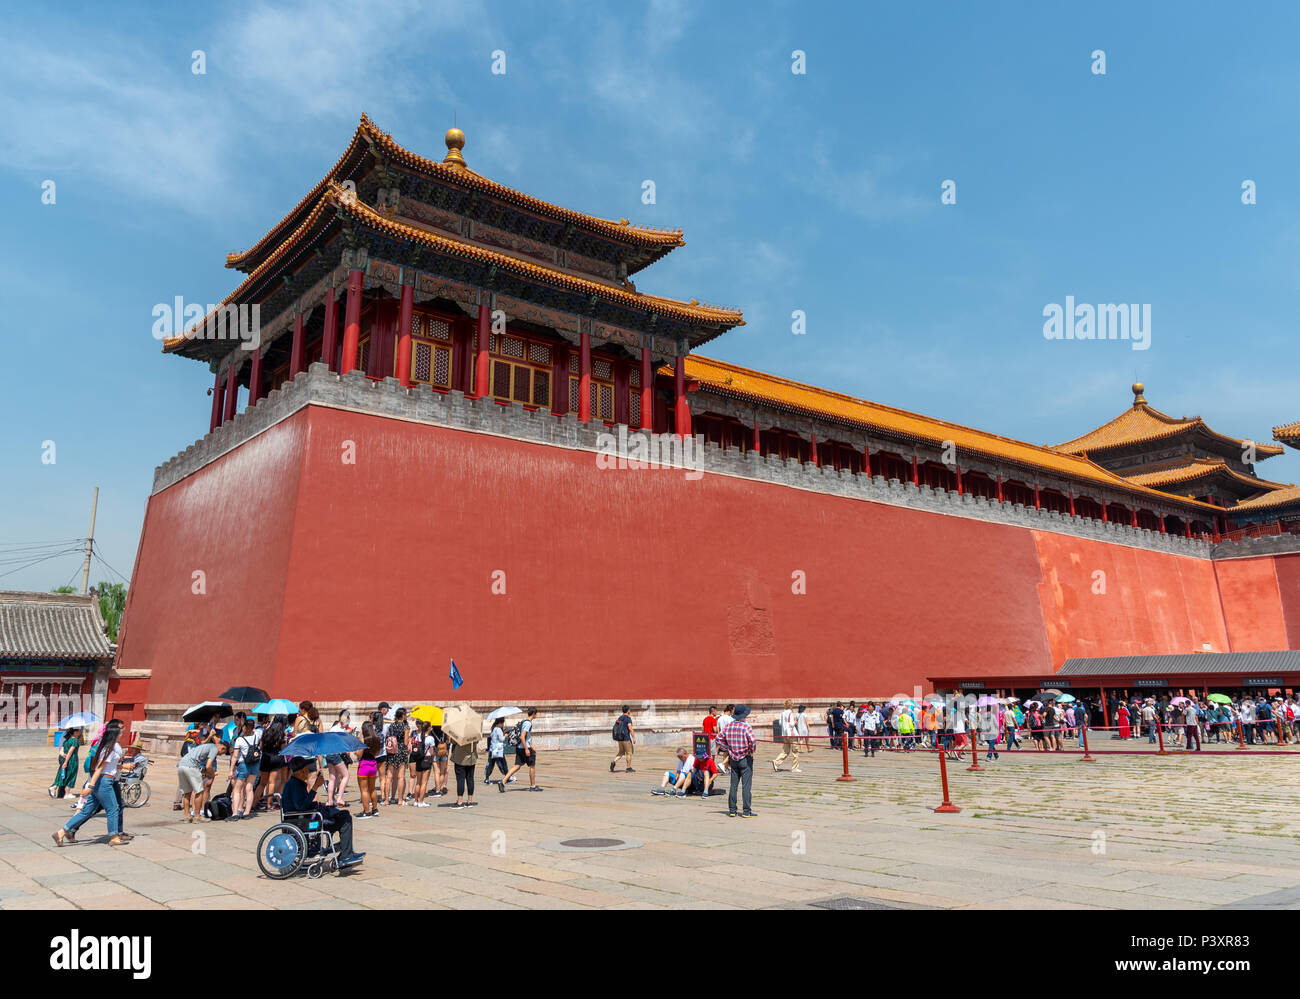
505 712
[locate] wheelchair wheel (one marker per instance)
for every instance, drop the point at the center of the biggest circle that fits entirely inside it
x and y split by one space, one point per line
135 794
281 851
316 870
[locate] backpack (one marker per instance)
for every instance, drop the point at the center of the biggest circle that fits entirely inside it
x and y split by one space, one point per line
396 738
516 736
218 808
620 729
253 754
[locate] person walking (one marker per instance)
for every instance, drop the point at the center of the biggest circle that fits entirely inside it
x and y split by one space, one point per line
1192 725
397 749
66 776
738 738
789 740
99 792
525 753
337 764
465 759
802 730
368 770
496 752
624 739
245 761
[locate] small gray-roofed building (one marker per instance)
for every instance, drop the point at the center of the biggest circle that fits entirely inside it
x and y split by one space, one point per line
55 659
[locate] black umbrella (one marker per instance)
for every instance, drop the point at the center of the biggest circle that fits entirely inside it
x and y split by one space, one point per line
1045 696
245 695
207 711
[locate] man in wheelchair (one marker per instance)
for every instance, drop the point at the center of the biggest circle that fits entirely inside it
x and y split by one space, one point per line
297 798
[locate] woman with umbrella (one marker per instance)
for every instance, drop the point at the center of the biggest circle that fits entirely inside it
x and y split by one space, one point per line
66 776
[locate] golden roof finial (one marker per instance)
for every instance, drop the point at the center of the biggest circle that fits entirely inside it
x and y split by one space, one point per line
1138 399
455 143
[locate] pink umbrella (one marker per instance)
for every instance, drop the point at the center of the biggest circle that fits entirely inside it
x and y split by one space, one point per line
986 702
1179 700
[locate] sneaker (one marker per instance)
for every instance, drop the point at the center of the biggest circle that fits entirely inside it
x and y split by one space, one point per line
501 786
534 787
421 804
731 815
629 770
704 794
611 770
775 769
459 804
749 815
795 770
364 815
658 791
511 780
487 780
681 794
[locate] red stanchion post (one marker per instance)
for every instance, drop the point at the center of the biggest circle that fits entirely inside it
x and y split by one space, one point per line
947 805
1241 736
1086 757
1160 734
844 744
974 754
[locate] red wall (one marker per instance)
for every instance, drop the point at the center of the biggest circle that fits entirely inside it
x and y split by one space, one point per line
1252 604
330 581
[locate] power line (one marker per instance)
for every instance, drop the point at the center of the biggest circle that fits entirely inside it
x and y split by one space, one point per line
95 552
36 561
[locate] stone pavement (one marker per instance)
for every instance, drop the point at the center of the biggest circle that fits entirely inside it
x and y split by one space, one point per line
1035 831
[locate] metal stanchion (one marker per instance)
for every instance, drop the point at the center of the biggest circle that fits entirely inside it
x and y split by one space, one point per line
947 805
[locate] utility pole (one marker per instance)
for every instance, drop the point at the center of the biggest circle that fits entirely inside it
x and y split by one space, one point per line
90 543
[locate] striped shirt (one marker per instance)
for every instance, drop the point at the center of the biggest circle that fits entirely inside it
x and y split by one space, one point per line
738 737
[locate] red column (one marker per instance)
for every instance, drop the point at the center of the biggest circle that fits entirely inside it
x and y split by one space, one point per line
352 323
683 411
866 459
255 379
1038 503
232 393
1187 528
584 377
481 359
812 450
218 393
1133 520
1071 502
1162 523
1105 516
958 480
916 472
999 487
404 335
758 438
330 340
647 389
295 351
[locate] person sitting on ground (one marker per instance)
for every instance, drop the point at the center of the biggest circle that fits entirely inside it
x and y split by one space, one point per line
706 772
296 797
678 780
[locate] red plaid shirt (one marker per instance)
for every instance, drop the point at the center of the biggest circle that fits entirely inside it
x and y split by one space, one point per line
738 737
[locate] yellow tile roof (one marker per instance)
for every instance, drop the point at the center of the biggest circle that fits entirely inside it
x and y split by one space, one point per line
335 198
1195 470
1286 496
719 376
367 134
1143 424
1288 433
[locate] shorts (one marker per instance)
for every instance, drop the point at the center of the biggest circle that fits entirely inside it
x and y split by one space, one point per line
672 776
190 779
269 763
241 771
367 768
423 765
624 747
525 758
705 765
333 759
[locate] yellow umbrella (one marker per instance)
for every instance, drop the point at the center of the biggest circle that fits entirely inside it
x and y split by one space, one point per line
428 713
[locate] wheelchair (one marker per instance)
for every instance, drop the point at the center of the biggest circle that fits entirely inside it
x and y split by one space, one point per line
298 838
134 788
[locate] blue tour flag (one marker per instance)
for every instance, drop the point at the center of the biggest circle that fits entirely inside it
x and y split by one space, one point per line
456 680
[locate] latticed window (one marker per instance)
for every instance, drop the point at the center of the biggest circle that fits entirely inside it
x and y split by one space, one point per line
602 389
634 409
430 350
363 353
521 369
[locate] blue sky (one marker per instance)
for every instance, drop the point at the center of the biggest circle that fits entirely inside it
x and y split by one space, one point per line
818 192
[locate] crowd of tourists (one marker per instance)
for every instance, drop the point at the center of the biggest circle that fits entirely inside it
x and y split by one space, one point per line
1192 721
402 761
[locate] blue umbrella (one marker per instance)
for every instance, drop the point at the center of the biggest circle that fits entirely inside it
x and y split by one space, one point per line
83 719
278 706
322 744
1065 699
